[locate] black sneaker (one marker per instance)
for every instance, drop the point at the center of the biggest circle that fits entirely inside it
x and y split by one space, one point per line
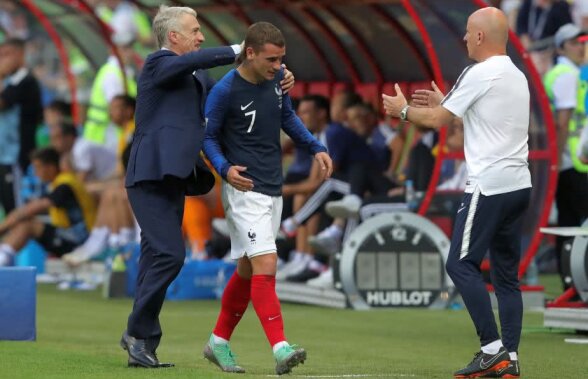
513 370
484 364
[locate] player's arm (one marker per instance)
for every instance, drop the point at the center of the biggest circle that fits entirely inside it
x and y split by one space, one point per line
169 67
308 185
294 127
216 109
32 208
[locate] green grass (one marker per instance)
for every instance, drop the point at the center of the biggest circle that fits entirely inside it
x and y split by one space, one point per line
78 334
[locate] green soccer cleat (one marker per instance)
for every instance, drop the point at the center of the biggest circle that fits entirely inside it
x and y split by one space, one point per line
288 357
222 356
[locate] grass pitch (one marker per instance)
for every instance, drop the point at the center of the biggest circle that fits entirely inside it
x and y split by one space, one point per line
78 334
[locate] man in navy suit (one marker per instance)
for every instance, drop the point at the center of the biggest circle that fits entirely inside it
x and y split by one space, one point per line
163 162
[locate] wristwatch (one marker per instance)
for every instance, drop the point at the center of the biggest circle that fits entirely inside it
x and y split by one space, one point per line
404 112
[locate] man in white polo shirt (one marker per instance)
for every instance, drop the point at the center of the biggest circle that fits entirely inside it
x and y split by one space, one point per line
492 97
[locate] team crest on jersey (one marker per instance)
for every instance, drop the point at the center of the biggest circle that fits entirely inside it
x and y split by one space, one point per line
278 90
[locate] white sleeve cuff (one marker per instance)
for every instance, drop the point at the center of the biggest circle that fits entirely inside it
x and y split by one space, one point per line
236 49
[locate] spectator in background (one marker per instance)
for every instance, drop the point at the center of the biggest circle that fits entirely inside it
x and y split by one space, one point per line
124 17
89 161
580 13
107 84
302 179
567 94
71 210
115 225
20 114
537 21
56 113
540 19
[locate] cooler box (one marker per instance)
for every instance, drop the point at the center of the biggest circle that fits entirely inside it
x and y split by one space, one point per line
18 303
197 279
201 280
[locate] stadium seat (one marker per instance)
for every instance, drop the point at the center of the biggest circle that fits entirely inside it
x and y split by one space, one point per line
18 298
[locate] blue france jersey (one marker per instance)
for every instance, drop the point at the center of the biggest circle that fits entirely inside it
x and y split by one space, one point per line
243 122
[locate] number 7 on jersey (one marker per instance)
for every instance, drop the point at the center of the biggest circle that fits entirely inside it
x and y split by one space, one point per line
252 114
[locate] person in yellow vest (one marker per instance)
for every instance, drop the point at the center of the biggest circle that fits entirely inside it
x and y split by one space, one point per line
567 94
109 83
71 211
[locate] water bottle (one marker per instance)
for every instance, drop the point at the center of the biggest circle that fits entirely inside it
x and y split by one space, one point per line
410 195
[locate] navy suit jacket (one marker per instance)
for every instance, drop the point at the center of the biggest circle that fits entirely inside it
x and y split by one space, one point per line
170 114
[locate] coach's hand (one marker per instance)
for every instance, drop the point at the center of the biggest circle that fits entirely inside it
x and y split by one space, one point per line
394 104
325 163
236 180
288 82
424 98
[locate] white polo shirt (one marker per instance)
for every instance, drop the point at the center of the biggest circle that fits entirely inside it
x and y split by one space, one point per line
493 99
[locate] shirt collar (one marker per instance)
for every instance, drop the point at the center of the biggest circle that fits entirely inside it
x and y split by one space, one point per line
17 77
567 61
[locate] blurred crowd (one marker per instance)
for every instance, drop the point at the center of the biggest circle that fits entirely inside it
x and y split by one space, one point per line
62 162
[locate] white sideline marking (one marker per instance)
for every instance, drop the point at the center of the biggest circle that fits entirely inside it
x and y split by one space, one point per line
349 376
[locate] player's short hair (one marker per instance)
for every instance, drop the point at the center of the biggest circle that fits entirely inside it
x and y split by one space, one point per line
167 20
128 101
18 43
320 102
47 156
261 33
61 107
68 129
350 98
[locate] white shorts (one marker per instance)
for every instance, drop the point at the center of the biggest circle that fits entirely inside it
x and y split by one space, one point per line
253 219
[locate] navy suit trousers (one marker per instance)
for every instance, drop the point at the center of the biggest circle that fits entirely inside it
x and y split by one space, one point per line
490 224
159 209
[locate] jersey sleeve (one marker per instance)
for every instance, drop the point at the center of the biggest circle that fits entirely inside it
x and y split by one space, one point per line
82 158
294 127
62 196
216 109
10 96
470 85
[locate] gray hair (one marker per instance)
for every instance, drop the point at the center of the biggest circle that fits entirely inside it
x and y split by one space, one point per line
167 20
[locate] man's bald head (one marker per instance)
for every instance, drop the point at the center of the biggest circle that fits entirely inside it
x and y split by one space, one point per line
487 33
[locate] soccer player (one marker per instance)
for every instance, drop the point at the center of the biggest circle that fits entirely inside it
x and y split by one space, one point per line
245 112
492 98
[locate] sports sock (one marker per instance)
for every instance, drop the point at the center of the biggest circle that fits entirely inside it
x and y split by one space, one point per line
514 356
126 236
279 345
267 306
6 254
492 347
96 242
233 305
219 340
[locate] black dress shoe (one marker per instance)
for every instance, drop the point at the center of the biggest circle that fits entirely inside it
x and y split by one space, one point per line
152 345
139 353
